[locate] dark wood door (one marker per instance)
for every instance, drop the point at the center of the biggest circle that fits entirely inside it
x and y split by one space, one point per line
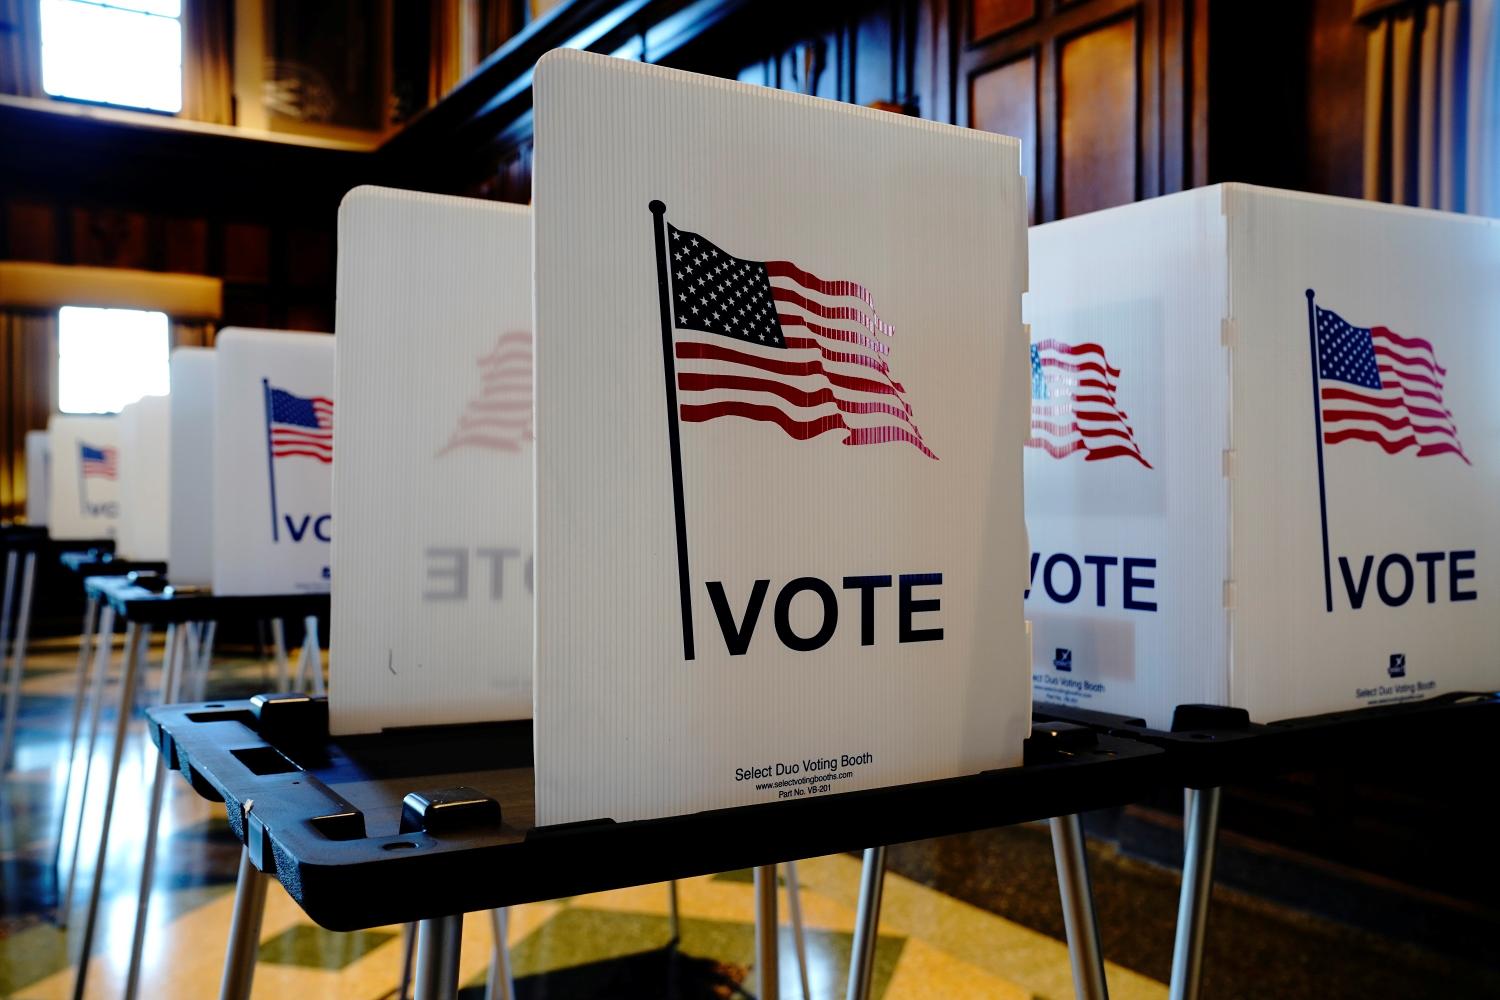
1104 95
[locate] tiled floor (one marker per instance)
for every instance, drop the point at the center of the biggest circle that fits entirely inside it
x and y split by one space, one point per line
610 944
977 916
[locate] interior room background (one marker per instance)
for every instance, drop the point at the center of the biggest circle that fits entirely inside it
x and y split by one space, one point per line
286 105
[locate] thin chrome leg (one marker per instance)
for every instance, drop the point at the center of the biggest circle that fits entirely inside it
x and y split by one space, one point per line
105 651
866 924
438 942
767 969
799 938
205 659
501 984
283 669
173 664
408 951
5 605
18 664
312 656
244 930
1084 952
1201 814
80 694
128 681
10 596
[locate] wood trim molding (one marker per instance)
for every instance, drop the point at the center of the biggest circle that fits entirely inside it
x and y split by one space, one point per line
27 285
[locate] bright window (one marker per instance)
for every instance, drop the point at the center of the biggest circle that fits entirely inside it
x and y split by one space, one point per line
109 357
118 52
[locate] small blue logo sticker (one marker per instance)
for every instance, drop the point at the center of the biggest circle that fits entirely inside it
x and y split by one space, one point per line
1398 665
1063 660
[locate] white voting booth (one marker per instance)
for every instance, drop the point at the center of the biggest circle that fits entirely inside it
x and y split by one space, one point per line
191 432
144 479
272 462
84 494
1265 454
38 477
780 404
432 483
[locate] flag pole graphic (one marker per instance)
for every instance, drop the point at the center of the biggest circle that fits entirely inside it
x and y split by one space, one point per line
663 295
83 483
265 385
1312 339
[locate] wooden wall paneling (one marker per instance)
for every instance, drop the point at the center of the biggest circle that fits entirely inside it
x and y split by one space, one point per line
185 246
1119 112
247 253
109 237
1100 118
991 17
31 230
1003 99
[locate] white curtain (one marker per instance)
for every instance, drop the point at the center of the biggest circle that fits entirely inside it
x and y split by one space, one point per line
1432 104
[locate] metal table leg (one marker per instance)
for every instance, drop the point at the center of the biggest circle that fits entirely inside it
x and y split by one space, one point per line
17 664
674 914
799 938
105 651
205 659
438 942
866 924
80 693
134 654
501 984
278 639
173 664
767 966
10 594
1201 816
244 930
5 606
1084 952
408 951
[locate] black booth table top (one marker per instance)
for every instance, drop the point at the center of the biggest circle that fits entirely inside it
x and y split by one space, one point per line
147 599
1211 745
100 560
370 830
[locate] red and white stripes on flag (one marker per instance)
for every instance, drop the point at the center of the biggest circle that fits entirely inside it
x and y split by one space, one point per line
1377 386
498 417
771 341
1075 405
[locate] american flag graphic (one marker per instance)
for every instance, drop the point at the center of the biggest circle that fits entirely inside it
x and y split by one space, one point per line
769 341
299 425
498 418
1378 386
98 463
1074 406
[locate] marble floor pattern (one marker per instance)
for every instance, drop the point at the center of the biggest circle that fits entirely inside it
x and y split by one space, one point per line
609 944
970 916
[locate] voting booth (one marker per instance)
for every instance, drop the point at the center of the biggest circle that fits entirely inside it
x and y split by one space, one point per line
144 480
38 477
191 433
432 480
84 498
1265 454
272 462
779 392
